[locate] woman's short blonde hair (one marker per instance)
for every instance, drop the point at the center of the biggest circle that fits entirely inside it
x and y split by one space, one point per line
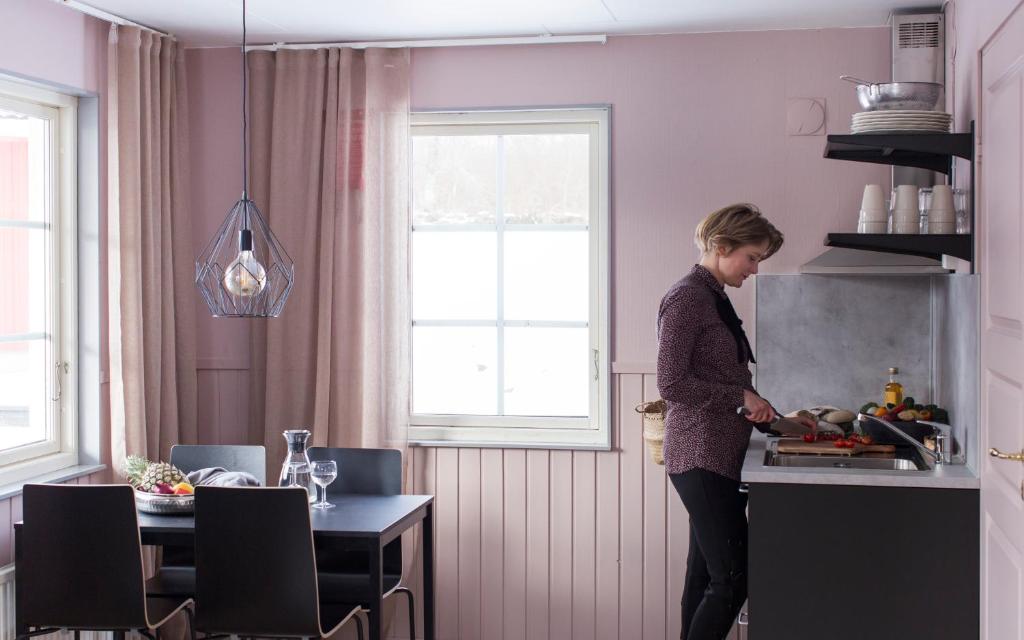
734 226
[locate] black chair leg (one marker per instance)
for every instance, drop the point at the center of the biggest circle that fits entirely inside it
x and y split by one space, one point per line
359 626
191 624
412 612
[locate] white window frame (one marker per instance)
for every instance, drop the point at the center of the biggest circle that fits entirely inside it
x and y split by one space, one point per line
589 432
60 450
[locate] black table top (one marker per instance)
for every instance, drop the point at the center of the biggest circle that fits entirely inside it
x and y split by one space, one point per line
354 516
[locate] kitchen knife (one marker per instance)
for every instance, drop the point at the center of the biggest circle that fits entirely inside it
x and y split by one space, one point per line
778 420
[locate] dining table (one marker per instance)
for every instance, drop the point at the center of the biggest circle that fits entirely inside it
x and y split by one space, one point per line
373 520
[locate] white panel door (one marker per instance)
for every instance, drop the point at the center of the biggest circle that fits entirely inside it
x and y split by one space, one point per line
1001 226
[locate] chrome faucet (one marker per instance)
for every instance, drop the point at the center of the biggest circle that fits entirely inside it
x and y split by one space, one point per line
943 439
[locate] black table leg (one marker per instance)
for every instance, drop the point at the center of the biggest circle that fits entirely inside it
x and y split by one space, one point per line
428 573
20 629
376 594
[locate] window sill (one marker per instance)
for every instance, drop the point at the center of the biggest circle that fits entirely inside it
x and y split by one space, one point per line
510 438
54 477
471 444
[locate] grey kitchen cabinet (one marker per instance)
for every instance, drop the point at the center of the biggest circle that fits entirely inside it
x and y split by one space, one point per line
857 562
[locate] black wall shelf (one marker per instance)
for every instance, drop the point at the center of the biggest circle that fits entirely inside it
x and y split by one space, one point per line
924 245
934 151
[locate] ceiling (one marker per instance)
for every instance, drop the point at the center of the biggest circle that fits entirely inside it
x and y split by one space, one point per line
218 22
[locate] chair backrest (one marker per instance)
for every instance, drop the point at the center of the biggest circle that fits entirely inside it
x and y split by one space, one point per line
255 567
360 471
80 558
233 457
367 471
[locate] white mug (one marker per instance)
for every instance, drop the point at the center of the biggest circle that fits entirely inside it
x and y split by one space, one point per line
904 197
874 215
873 199
942 197
900 226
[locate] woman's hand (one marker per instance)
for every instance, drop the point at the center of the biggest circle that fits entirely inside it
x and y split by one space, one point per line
758 408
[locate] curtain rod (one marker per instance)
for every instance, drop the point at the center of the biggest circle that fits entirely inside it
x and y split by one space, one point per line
109 17
444 42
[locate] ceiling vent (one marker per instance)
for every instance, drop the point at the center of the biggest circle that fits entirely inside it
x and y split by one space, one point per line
917 35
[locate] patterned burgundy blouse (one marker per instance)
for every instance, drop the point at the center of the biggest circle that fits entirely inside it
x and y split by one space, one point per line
701 375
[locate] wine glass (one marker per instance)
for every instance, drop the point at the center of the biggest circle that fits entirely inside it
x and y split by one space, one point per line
324 473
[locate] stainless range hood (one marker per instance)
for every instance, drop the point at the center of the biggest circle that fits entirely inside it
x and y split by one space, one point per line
837 261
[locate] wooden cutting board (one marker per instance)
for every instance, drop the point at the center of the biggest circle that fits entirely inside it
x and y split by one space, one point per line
792 445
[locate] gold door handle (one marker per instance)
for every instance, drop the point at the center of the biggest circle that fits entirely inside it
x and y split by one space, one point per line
996 453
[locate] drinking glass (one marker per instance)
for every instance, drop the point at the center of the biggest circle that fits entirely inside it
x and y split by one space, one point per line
324 473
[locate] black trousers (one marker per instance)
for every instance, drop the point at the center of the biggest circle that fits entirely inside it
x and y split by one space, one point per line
716 565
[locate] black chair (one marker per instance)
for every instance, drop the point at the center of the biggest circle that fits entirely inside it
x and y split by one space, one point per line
256 568
176 576
342 565
79 564
233 457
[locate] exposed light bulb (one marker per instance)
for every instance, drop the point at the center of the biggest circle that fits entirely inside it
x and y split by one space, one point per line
245 276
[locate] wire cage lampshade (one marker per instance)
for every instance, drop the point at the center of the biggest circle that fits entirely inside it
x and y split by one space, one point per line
245 272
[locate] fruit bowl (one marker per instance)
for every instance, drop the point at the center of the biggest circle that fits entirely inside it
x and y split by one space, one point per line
164 503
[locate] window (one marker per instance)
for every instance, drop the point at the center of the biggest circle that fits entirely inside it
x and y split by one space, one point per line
38 304
509 260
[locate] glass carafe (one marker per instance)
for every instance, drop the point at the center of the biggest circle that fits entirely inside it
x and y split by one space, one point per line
296 470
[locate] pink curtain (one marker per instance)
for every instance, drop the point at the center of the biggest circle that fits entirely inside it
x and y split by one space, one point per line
330 142
150 268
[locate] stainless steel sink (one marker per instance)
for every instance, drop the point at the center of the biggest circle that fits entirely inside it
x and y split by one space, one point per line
842 462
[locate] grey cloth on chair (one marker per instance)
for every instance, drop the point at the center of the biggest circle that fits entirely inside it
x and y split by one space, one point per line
221 477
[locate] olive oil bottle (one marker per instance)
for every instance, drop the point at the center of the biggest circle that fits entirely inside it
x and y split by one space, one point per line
893 389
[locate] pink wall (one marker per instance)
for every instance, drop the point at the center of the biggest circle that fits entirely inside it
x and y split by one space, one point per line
698 121
46 42
581 544
215 130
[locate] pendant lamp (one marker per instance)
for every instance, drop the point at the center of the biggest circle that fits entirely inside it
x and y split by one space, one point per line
244 272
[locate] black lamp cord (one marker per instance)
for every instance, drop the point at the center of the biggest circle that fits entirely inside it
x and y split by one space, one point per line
245 122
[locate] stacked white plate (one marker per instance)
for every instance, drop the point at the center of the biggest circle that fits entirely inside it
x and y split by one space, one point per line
901 121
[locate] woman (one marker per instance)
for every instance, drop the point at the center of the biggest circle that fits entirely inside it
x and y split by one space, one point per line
703 375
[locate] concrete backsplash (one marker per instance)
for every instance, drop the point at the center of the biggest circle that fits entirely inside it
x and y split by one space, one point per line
831 340
955 311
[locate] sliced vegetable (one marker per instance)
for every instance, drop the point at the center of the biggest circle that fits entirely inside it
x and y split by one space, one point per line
809 437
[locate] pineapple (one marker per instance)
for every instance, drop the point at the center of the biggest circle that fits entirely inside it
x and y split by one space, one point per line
160 472
144 475
134 468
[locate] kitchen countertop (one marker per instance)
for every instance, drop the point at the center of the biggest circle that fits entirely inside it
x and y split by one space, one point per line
953 476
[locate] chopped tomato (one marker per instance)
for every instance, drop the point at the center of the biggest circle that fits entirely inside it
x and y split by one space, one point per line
867 440
809 437
839 444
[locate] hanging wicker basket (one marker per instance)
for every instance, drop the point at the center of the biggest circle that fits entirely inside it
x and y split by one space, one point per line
654 427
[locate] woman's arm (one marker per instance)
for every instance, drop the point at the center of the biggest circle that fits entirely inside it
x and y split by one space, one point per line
678 328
